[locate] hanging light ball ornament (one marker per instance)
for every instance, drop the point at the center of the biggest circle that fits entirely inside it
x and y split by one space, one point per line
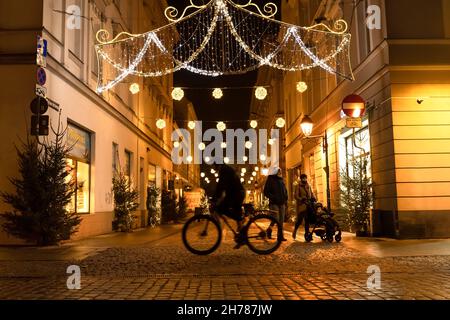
221 126
134 88
217 93
302 86
191 125
280 123
254 124
261 93
161 124
178 94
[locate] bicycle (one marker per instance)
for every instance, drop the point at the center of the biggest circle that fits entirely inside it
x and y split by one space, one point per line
202 234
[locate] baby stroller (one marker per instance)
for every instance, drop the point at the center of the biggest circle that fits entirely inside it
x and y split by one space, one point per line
324 226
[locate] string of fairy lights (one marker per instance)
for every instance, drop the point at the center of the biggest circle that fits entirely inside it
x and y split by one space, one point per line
223 38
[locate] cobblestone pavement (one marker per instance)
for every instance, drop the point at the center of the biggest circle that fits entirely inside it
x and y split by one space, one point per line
164 269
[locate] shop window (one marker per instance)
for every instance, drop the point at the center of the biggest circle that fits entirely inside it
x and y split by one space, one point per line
79 164
355 145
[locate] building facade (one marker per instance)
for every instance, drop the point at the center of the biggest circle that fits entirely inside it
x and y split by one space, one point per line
112 131
402 70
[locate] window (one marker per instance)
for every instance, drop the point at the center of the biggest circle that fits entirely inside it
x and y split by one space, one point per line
128 161
353 146
115 158
76 34
79 165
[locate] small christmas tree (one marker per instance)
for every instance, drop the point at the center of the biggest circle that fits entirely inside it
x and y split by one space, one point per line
42 193
153 193
125 202
356 194
182 208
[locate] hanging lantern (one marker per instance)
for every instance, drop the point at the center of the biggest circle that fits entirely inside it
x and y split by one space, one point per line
221 126
161 124
191 125
177 94
134 88
280 123
302 86
254 124
261 93
354 106
217 93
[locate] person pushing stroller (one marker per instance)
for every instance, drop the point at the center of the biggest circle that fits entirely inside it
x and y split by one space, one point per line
305 210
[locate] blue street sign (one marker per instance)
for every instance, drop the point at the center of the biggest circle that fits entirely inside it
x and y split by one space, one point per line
41 77
42 46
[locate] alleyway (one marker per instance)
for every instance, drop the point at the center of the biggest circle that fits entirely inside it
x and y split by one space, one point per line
153 264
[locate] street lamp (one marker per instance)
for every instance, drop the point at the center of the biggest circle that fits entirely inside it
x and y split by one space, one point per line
307 128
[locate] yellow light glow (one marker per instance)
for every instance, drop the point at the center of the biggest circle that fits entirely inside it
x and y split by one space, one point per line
191 125
177 94
217 93
161 124
302 87
134 88
261 93
280 123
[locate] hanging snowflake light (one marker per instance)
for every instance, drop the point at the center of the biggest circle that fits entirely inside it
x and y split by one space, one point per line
134 88
191 125
178 94
302 86
261 93
254 124
221 126
217 93
161 124
280 123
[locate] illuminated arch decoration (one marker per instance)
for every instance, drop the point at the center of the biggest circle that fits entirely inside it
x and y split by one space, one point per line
223 38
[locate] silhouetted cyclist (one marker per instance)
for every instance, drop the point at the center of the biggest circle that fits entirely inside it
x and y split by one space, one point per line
229 195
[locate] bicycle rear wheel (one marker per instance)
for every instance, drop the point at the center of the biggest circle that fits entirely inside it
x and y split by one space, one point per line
262 238
202 235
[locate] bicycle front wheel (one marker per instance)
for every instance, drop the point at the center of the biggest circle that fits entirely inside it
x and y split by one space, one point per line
264 234
202 235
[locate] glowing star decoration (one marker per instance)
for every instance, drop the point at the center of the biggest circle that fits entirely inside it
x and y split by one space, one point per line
221 126
248 144
161 124
280 123
178 94
217 93
254 124
261 93
191 125
202 146
134 88
302 86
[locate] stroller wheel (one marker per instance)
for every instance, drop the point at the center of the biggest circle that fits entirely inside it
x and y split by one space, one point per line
330 238
338 237
308 237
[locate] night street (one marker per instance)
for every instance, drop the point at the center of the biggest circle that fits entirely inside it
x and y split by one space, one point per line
153 264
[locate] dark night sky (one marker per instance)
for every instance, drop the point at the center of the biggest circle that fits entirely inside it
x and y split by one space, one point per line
235 104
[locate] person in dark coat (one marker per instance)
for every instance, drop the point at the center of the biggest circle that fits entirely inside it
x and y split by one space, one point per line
275 190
